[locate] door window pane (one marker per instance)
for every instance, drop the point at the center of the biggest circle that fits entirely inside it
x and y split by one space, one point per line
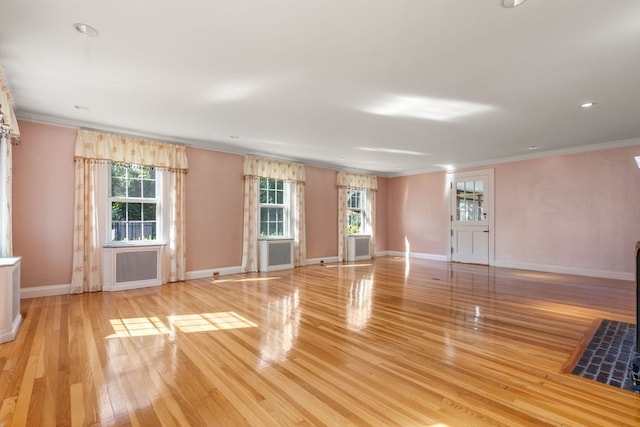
470 201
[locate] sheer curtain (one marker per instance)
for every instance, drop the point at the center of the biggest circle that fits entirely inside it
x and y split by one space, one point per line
94 151
6 237
9 135
254 169
351 181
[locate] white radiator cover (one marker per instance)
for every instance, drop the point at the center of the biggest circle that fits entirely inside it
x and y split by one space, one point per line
131 267
275 254
358 248
10 316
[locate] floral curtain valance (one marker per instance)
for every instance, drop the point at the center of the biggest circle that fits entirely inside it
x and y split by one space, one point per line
6 109
130 150
354 180
256 166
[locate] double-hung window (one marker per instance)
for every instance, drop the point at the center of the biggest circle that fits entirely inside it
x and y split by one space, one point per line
275 208
356 212
135 203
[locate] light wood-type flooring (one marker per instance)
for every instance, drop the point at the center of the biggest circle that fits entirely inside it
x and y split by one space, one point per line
386 342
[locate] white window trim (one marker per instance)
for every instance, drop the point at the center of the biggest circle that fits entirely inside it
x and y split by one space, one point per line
288 205
162 209
365 227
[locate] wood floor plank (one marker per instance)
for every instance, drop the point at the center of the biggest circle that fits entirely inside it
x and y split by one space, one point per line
371 343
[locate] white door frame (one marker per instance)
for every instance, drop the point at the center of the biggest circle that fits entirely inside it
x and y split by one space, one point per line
451 176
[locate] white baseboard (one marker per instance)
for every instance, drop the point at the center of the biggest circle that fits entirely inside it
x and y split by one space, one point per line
204 274
322 260
44 291
417 255
561 269
382 253
126 286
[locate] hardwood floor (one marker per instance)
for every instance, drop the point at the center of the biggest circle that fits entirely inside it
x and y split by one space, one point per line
379 343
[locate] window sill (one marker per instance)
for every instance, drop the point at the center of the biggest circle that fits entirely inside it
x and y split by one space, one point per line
133 244
275 238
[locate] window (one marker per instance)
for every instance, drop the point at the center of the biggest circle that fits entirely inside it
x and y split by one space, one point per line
274 208
134 203
356 211
470 201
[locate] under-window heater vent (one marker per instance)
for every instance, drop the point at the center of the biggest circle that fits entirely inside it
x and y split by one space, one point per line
131 267
134 266
275 254
358 248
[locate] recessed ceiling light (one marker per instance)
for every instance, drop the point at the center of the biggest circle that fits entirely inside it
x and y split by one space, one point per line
86 29
512 3
534 147
81 107
587 104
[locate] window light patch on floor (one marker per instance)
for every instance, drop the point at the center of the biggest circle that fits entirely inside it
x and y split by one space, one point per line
187 323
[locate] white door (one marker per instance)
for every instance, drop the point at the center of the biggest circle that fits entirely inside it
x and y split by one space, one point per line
471 221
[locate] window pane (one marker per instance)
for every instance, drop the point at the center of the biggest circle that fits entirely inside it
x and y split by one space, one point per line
135 172
149 211
355 221
134 211
134 230
148 173
118 230
149 189
134 188
119 170
149 230
118 211
469 186
354 200
118 188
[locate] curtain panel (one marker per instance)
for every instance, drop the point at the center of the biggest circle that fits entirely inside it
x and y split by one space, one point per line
6 109
86 274
368 183
6 196
254 169
93 152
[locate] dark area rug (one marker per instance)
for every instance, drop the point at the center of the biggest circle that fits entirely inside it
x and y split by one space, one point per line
609 354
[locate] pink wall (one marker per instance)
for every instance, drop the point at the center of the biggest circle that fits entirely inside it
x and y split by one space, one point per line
321 212
576 212
214 190
580 210
382 216
43 188
417 210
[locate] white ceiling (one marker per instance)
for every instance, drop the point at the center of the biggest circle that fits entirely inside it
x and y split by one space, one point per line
385 86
